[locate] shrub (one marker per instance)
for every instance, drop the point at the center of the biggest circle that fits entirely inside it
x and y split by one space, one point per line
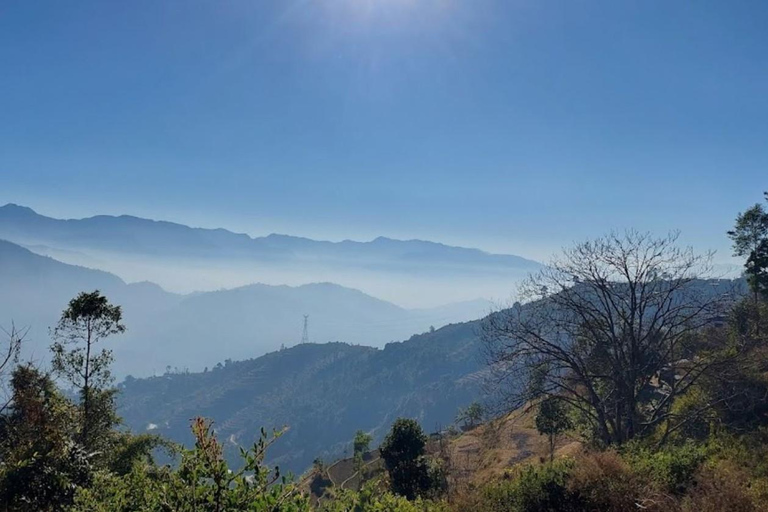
605 482
670 470
747 451
721 487
531 489
690 405
372 499
202 483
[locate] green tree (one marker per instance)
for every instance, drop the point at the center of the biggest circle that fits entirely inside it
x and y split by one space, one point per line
738 390
360 445
362 441
403 454
750 240
88 319
472 415
40 466
552 420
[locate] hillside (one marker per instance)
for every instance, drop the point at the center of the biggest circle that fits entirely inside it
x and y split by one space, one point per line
197 330
327 392
323 392
471 458
245 322
36 289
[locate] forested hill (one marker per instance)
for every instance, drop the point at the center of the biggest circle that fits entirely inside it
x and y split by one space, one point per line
323 392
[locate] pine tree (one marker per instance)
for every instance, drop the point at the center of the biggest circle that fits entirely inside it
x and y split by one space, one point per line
88 319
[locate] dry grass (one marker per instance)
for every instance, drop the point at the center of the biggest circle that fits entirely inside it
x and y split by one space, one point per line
486 452
722 487
605 481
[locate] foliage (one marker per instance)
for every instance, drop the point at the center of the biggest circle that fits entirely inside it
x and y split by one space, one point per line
671 469
203 482
552 420
403 454
671 479
87 320
723 486
471 416
530 489
734 396
127 450
750 240
362 441
685 478
371 499
40 465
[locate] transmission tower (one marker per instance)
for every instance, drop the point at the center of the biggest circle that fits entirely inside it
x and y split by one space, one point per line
305 334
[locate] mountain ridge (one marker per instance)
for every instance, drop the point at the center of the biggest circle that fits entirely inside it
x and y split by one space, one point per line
192 330
12 211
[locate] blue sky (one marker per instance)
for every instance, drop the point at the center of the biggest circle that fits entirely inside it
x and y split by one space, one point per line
515 126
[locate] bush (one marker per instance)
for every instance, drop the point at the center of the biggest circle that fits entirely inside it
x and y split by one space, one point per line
202 483
721 487
747 451
372 499
671 470
531 489
605 482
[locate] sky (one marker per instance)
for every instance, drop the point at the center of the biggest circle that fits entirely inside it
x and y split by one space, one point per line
515 126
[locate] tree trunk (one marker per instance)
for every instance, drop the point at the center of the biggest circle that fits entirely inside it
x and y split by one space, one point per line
86 386
551 447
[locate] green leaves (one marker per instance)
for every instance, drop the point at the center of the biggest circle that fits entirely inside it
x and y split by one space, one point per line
203 482
41 466
91 311
403 454
362 442
472 415
750 240
552 418
88 319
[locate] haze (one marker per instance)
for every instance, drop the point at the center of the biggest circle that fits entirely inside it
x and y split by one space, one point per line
512 126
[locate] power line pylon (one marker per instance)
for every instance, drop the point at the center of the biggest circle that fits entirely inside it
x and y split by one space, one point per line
305 334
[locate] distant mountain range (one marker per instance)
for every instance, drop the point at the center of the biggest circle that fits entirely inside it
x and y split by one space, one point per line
184 259
133 235
197 330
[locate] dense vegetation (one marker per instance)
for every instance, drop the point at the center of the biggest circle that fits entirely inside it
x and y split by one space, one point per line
662 377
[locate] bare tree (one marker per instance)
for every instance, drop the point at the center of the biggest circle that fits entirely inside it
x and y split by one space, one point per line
9 356
609 328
